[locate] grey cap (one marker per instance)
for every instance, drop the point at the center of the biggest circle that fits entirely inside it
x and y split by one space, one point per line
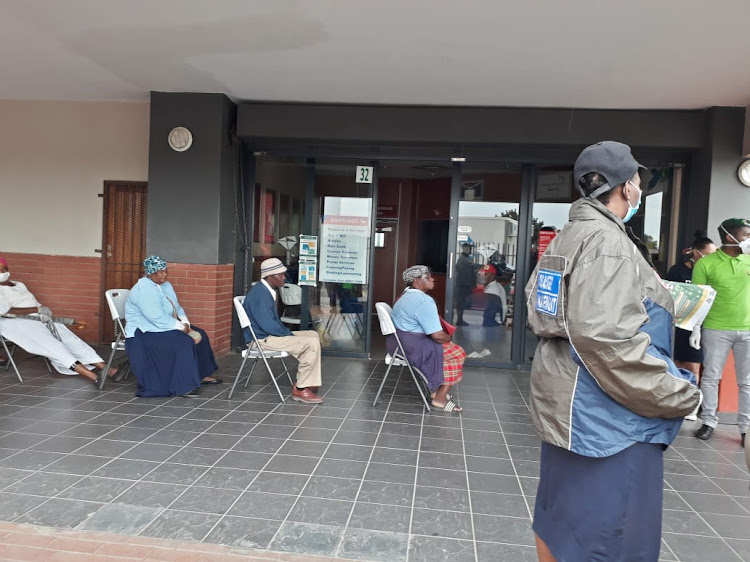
611 159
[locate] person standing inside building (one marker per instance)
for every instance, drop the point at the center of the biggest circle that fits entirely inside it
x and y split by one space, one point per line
466 280
727 326
606 398
685 356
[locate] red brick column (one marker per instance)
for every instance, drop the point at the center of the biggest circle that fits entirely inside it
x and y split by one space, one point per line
69 285
205 292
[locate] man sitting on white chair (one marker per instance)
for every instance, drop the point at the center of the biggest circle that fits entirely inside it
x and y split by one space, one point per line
303 345
69 354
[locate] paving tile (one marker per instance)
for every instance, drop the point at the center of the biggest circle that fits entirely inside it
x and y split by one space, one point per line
292 464
120 518
340 468
206 500
398 474
441 523
151 494
150 452
269 506
198 457
729 526
307 538
126 469
440 478
172 437
499 483
279 483
170 473
60 513
489 503
493 552
442 498
227 478
685 522
690 548
77 464
380 518
105 447
244 532
249 461
364 544
437 549
181 525
509 530
386 493
252 444
60 444
713 503
350 452
13 506
332 488
321 511
43 484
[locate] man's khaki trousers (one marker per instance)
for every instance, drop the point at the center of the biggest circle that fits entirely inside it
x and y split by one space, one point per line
304 346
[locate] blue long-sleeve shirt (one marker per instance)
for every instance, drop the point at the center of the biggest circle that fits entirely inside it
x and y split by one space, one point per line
261 309
148 308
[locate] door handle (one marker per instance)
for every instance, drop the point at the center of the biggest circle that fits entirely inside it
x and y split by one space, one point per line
450 266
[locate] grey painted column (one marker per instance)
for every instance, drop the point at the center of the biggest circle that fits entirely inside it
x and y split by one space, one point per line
191 194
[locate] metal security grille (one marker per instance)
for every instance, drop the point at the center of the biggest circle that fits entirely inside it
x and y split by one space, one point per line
123 242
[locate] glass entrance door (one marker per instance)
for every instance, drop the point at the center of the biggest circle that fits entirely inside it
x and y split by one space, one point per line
483 264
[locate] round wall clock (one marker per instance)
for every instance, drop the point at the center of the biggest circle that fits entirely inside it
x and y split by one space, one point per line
180 139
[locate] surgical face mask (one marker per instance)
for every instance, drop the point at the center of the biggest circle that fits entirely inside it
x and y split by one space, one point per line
633 210
744 245
4 276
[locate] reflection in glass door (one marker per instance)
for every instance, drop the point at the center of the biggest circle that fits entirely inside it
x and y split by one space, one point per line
484 267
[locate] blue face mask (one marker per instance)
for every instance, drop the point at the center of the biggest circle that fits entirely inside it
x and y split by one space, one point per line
633 210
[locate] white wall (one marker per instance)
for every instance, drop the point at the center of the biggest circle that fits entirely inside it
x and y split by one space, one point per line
54 159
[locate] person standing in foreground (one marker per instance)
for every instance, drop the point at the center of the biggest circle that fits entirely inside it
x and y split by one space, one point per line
303 345
606 398
727 325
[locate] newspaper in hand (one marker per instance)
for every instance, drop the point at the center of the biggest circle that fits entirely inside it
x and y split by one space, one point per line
691 303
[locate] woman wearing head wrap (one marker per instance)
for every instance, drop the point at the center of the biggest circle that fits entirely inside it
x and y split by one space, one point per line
69 354
428 347
169 356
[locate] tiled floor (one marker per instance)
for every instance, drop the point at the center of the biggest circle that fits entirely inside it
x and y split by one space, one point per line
342 479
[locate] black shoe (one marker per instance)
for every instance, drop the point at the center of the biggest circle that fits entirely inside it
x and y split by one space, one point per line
462 323
191 394
705 432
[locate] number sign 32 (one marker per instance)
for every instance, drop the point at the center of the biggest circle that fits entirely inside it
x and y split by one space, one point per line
364 174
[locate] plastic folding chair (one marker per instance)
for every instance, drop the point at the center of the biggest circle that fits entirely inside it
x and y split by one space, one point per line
291 295
253 350
399 358
116 302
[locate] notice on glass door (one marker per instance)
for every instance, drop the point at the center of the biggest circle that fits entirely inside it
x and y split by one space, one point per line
344 244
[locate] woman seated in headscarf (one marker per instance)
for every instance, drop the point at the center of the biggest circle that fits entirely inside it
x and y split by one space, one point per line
169 356
69 354
428 347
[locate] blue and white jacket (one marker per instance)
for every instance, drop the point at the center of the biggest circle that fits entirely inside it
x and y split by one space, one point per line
602 377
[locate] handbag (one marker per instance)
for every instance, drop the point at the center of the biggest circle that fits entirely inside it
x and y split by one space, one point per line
447 328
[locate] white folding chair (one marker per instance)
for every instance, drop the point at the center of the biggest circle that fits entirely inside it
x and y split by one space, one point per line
253 350
291 295
116 302
9 356
399 358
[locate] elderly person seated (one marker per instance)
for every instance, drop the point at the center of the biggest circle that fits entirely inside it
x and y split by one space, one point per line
69 354
427 345
169 356
303 345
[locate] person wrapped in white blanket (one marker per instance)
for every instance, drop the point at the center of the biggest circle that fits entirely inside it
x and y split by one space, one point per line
69 354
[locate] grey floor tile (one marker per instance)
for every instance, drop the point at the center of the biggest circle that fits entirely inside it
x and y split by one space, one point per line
292 464
441 460
96 489
443 446
249 461
489 503
172 437
170 473
181 525
30 460
308 538
206 500
735 488
509 530
713 503
215 441
198 457
349 452
394 456
151 494
321 511
493 552
689 548
61 444
43 484
409 442
685 522
303 448
398 474
150 452
332 488
499 483
478 449
742 547
380 518
364 544
120 518
271 506
729 526
59 512
13 506
442 498
227 478
278 483
77 464
105 447
126 469
441 523
386 493
439 478
490 465
436 549
244 532
340 468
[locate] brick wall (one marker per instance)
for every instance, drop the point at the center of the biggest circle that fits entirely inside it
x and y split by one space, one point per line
69 285
205 292
72 286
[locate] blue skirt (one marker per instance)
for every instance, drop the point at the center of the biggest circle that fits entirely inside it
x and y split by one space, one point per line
164 363
205 355
610 508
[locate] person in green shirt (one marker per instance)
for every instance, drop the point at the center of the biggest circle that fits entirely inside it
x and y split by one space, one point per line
727 326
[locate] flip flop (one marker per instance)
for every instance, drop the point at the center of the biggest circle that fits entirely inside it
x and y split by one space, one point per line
450 406
215 381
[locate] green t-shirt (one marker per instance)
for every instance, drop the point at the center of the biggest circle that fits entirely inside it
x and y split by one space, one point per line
730 277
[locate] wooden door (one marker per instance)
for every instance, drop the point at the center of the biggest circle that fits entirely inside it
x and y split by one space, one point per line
123 242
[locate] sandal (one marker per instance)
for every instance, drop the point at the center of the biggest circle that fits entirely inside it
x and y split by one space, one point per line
212 381
450 406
